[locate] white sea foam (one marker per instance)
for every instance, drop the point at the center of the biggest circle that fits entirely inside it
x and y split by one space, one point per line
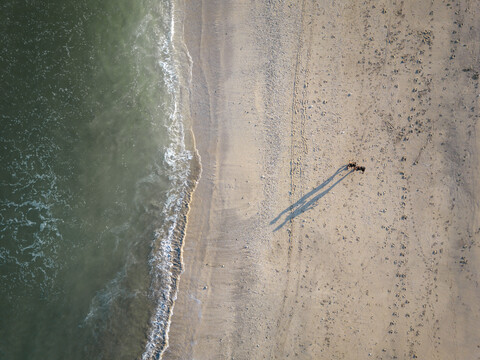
30 209
165 260
103 299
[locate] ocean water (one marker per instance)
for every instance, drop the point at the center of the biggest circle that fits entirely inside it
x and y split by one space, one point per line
95 172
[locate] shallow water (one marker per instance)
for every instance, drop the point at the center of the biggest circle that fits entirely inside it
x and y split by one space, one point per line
93 170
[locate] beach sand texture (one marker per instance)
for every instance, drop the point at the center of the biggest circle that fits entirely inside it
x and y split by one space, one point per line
287 253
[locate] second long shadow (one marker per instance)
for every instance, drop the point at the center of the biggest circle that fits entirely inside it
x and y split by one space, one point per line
309 200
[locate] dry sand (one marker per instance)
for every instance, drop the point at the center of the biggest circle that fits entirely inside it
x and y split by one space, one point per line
288 255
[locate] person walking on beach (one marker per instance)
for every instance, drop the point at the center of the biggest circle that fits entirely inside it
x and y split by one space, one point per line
353 164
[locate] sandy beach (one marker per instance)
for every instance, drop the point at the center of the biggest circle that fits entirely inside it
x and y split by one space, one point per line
289 254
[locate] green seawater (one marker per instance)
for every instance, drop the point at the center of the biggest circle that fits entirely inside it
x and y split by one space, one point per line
93 168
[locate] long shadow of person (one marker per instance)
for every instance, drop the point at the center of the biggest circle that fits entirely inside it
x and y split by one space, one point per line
309 200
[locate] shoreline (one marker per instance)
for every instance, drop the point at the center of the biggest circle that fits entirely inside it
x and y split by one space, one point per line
158 337
385 262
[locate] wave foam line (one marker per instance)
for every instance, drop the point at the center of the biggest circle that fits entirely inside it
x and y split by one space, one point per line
166 261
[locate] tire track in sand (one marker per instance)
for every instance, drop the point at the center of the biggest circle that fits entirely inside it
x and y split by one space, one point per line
298 151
